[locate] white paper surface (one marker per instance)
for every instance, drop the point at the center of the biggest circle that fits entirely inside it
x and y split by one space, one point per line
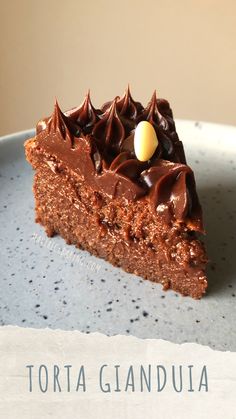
50 351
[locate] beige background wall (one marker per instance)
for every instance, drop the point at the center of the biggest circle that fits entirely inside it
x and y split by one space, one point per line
184 48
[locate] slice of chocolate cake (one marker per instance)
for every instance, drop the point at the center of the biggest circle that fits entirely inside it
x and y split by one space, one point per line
120 188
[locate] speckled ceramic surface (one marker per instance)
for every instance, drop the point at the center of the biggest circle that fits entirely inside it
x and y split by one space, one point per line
45 283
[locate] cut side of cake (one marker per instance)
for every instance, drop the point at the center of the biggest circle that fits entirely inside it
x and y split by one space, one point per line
90 187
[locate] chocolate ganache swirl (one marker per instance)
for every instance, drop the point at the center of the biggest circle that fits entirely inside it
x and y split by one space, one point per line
99 146
85 115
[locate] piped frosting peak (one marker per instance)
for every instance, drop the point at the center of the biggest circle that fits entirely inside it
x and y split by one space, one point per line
110 130
63 125
85 115
152 114
127 107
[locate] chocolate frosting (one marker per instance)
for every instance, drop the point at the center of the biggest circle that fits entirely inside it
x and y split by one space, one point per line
127 107
85 115
110 131
98 146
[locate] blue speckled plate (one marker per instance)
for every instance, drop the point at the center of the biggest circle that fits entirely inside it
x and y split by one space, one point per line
44 282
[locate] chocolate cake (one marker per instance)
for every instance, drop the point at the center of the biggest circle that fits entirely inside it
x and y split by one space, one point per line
90 187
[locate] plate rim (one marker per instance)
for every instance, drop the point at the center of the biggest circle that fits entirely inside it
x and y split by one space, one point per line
16 135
